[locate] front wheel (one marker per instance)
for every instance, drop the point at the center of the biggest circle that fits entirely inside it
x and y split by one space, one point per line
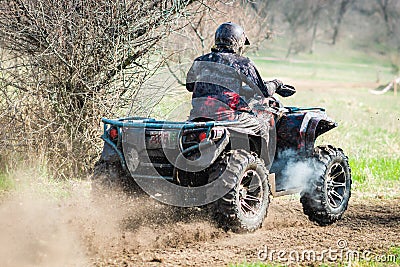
326 197
244 207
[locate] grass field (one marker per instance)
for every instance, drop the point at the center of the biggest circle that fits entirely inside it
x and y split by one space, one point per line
369 125
368 131
341 63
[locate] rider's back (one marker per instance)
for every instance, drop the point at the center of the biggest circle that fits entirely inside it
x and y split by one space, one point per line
216 80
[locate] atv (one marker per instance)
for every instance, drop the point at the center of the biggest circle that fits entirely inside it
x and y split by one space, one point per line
210 164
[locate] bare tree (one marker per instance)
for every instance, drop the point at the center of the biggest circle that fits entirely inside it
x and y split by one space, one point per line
384 6
64 64
343 7
296 15
198 38
385 31
316 9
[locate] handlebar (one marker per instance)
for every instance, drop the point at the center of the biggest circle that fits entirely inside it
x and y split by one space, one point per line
284 90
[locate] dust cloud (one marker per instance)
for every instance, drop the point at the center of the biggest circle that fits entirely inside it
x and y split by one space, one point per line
296 171
36 232
33 236
47 223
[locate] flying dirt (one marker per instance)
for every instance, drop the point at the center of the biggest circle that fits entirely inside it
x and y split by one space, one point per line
75 228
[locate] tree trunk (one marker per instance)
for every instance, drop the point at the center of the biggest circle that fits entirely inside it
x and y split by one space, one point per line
342 10
384 6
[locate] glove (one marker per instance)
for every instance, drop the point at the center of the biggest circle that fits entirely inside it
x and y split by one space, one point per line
277 83
272 86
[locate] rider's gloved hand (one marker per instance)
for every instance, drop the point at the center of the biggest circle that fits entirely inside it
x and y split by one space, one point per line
278 83
272 86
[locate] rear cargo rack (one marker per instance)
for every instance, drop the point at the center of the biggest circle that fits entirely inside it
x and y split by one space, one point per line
155 124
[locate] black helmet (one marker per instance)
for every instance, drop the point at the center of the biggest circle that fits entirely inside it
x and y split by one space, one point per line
230 35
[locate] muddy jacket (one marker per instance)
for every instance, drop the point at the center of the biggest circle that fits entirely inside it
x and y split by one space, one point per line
217 80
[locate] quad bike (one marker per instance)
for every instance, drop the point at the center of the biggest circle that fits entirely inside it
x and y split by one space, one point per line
232 173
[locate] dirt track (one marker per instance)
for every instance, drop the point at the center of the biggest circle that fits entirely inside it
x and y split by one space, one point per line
158 239
112 230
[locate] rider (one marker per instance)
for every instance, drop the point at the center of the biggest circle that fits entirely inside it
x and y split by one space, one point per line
219 80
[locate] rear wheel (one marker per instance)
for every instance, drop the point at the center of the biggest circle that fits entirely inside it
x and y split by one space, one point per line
111 176
244 207
327 197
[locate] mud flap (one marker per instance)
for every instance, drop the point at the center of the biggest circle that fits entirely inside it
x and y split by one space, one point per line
109 154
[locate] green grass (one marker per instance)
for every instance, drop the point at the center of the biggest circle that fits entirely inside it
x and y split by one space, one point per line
328 63
365 169
368 132
323 71
35 180
390 258
255 264
5 183
395 251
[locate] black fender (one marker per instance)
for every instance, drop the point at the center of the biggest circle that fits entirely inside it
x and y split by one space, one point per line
314 124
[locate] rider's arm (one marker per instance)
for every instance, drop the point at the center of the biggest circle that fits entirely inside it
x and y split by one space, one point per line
190 87
252 78
190 79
